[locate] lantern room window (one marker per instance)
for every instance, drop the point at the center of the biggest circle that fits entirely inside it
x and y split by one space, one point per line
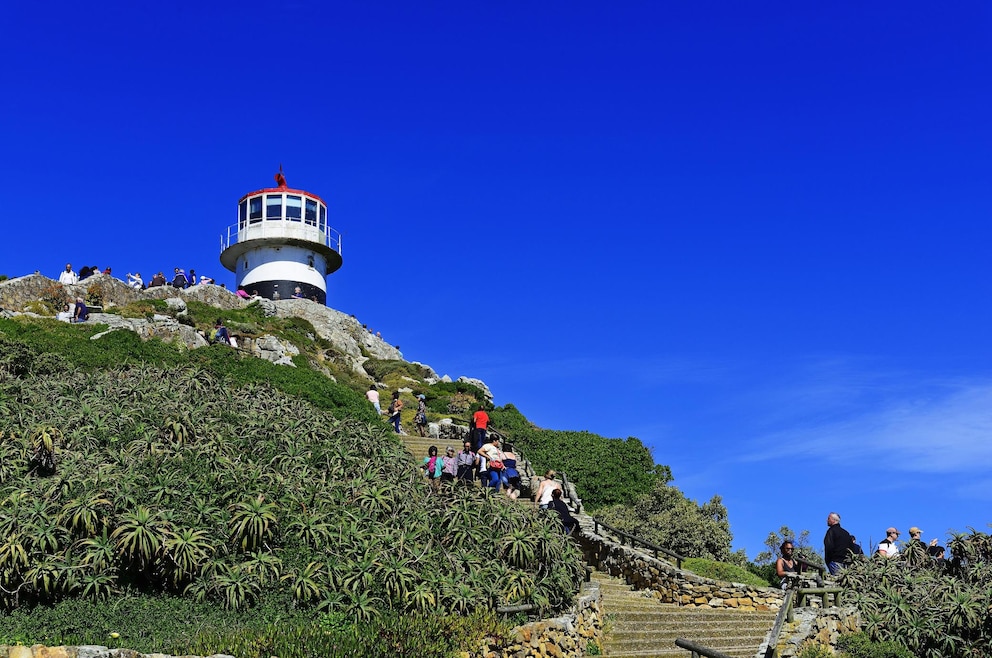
311 215
294 208
255 209
273 206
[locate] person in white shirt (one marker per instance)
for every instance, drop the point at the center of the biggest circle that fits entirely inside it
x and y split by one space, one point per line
68 277
134 280
887 547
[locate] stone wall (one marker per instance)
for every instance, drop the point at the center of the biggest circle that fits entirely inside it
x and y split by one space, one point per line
821 626
669 584
569 635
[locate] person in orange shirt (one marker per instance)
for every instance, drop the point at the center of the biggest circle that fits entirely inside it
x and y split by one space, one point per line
481 419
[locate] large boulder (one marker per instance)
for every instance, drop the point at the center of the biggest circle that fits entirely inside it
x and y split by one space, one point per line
16 294
272 349
162 327
480 384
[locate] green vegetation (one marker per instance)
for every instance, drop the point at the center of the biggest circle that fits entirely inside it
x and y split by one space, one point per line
930 608
665 517
606 471
722 571
154 624
138 474
859 645
67 348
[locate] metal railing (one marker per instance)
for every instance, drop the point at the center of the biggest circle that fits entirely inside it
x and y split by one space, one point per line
825 594
794 598
635 541
281 229
784 615
698 650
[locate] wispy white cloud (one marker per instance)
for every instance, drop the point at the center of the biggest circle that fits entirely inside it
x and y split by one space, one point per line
915 425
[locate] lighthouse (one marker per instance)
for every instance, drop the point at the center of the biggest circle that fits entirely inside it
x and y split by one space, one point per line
282 242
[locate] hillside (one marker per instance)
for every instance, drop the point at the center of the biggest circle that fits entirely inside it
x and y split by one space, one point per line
143 467
324 343
127 474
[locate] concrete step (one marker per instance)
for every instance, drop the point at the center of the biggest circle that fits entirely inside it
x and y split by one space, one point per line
635 628
671 649
642 627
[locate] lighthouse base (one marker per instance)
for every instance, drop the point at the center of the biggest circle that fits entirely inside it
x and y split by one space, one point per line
284 290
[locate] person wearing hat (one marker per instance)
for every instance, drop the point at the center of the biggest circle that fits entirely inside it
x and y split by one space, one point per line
421 418
914 537
887 547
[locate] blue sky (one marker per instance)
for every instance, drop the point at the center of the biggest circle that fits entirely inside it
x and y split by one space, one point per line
752 235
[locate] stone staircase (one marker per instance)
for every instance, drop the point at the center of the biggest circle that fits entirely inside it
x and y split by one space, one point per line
417 445
639 626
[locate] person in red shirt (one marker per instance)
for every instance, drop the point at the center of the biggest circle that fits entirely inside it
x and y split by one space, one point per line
481 420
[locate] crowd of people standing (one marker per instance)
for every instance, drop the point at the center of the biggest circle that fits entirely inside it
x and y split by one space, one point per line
841 548
180 279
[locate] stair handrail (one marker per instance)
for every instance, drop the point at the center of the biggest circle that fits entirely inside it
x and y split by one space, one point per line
698 650
634 540
809 566
570 492
784 615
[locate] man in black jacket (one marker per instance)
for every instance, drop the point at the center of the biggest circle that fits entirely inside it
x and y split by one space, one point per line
836 544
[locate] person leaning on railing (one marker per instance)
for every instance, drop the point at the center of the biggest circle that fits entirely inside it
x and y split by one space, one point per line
787 568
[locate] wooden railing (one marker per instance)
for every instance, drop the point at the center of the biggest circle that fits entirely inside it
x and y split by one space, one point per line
635 541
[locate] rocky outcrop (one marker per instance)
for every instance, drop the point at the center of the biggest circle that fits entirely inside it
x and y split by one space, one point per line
163 327
17 294
272 349
353 342
479 384
343 331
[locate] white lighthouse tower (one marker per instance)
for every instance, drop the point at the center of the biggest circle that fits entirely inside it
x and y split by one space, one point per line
282 242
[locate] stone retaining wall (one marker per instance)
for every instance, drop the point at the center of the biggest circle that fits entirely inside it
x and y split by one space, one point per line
822 626
569 635
669 584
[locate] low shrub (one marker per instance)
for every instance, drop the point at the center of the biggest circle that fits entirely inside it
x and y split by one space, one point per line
813 650
379 369
722 571
859 645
